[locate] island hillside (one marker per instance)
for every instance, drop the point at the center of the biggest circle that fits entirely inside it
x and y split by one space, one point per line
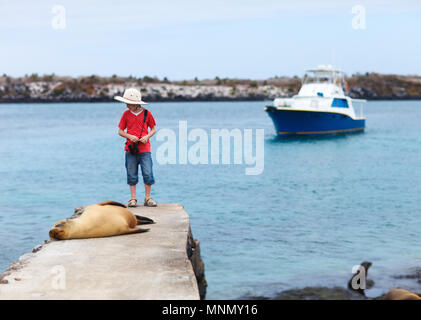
54 88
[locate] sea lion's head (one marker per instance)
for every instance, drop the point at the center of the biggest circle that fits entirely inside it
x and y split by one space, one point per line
60 231
366 265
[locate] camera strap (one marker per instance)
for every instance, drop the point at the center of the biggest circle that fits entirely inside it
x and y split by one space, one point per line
144 120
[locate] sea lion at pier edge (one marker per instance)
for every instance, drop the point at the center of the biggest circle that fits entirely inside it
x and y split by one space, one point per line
104 219
401 294
368 283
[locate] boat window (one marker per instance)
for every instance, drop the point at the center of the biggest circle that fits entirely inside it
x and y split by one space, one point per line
339 103
314 78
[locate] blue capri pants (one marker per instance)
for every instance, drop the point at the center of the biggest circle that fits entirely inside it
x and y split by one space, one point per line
144 159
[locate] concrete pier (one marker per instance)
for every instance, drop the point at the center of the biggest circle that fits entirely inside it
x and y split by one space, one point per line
152 265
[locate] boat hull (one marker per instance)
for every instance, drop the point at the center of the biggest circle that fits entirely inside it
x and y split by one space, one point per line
300 122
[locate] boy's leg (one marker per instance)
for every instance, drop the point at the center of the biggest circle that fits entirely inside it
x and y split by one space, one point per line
148 188
133 192
132 173
148 179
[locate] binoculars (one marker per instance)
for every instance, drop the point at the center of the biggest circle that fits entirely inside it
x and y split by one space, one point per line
133 148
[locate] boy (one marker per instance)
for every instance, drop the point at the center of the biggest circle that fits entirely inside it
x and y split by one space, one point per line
138 148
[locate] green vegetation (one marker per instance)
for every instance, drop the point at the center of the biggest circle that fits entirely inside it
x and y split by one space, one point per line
58 90
253 84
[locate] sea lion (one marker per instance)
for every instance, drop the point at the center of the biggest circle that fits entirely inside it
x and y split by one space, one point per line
104 219
365 265
401 294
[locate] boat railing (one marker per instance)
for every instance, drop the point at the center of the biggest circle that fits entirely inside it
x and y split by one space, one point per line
361 105
314 103
268 103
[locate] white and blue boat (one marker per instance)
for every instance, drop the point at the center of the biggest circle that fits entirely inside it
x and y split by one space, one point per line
320 107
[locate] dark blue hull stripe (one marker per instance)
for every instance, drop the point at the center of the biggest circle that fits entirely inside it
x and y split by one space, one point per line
294 122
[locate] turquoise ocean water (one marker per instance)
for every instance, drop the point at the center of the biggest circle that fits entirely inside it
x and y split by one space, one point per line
321 205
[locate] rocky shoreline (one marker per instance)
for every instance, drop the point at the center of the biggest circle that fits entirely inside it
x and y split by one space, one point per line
336 292
180 99
51 88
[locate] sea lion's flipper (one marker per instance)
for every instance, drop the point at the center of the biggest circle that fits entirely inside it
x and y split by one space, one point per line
111 203
78 212
136 230
144 220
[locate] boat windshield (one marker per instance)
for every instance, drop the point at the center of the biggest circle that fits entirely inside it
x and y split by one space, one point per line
323 77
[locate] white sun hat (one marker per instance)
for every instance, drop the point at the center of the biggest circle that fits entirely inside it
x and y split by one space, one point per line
131 96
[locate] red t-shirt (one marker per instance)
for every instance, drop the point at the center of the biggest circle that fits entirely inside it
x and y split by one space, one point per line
134 123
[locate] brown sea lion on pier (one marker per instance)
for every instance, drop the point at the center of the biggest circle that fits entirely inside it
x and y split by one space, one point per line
401 294
104 219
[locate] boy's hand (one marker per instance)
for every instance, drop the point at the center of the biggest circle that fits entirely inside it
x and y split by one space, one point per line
133 138
144 139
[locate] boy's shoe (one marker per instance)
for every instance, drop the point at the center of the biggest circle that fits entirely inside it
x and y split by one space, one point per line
150 203
132 203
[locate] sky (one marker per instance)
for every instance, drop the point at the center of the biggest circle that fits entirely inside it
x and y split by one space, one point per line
185 39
